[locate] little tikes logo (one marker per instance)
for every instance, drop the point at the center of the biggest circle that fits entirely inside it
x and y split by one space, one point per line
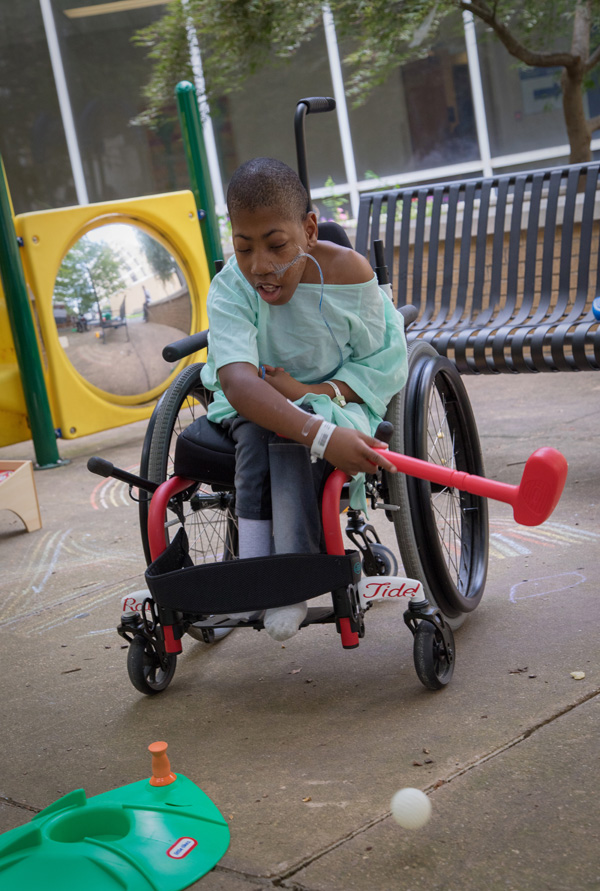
181 848
390 587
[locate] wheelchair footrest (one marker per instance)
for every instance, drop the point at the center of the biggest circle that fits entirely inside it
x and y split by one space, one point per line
317 615
243 585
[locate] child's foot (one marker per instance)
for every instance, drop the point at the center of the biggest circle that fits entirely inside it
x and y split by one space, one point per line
283 622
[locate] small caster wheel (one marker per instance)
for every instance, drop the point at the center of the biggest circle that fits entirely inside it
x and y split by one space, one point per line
144 668
385 560
433 668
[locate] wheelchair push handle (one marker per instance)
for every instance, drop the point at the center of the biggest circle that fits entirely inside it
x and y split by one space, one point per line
316 104
381 270
179 349
384 432
310 105
107 469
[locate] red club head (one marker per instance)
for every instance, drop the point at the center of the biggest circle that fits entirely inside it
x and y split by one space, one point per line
541 487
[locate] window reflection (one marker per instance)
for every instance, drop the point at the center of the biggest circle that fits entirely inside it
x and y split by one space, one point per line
119 297
424 113
32 139
523 105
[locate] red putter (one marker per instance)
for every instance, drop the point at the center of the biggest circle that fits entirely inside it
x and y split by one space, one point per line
533 500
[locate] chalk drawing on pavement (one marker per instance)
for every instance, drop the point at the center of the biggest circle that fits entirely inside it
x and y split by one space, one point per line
549 584
508 539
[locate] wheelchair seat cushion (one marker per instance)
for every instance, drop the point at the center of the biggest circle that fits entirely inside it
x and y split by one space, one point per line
204 452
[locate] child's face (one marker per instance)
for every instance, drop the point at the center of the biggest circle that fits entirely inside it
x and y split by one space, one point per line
265 241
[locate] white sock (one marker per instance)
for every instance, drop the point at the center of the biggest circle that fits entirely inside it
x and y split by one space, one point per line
254 540
282 622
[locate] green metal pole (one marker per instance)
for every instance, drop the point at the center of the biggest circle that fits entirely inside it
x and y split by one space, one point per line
195 153
23 331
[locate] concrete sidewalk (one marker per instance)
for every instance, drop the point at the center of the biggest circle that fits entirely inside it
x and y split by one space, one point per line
301 746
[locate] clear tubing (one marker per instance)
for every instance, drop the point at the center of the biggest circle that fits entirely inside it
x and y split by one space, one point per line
280 270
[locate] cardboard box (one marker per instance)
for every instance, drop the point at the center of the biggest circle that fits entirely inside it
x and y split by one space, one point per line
18 492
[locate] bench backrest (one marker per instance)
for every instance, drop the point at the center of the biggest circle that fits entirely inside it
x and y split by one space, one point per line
521 247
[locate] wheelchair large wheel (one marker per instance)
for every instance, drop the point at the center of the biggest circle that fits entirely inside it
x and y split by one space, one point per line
442 533
208 517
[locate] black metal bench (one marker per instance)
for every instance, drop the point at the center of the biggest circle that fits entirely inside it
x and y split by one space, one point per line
118 322
502 270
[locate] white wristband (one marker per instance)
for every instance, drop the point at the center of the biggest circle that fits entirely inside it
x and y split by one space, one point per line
321 440
311 420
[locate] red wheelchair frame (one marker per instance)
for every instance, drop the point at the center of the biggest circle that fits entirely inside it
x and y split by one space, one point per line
533 500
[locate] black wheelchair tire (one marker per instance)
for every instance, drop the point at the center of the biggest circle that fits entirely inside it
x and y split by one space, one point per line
185 394
210 523
144 497
144 668
440 427
423 552
433 669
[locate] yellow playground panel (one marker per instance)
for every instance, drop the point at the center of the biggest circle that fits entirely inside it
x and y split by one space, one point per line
13 411
110 284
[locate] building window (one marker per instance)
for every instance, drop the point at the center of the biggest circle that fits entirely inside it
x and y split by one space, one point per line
32 139
523 104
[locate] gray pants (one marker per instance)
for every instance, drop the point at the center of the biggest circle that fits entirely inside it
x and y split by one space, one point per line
275 479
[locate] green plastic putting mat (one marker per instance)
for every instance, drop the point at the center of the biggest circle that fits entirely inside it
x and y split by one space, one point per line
141 837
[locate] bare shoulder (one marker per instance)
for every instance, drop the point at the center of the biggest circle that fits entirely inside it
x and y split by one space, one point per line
341 265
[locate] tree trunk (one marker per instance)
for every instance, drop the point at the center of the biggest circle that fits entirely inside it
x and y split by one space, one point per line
574 112
578 131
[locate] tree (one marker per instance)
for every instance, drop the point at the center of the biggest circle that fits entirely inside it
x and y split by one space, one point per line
89 273
159 259
238 37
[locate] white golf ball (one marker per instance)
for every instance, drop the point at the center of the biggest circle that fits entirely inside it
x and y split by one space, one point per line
411 808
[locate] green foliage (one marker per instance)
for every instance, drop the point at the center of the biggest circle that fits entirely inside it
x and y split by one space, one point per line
335 202
89 273
238 37
159 259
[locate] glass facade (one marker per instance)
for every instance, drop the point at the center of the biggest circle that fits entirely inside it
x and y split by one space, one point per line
523 105
259 119
105 74
32 138
419 125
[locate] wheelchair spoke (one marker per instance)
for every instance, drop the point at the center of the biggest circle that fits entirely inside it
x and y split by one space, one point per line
210 536
206 515
186 416
446 505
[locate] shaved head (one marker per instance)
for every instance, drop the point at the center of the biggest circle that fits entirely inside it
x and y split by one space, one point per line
266 182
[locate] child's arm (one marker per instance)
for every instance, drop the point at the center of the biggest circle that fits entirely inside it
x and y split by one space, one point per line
255 399
292 389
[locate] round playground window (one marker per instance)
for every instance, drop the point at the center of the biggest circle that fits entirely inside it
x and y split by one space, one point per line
120 296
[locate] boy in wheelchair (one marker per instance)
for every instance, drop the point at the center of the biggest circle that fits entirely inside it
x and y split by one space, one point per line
305 352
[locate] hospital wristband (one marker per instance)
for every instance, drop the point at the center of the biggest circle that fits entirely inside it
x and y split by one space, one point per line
338 396
321 440
311 420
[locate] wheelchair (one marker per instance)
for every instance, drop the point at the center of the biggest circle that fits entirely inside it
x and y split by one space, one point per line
189 534
190 529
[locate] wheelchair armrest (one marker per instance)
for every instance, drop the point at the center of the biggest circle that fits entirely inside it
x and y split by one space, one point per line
409 312
185 347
